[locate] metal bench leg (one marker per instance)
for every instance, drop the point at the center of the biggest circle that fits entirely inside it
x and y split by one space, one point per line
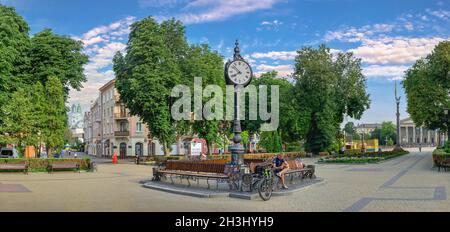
171 179
217 182
207 182
189 183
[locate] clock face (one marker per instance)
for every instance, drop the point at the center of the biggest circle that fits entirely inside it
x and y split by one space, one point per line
239 72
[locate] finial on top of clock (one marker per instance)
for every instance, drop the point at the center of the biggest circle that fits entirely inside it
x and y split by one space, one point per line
237 51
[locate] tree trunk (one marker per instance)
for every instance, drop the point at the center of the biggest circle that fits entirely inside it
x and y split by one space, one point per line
166 149
209 146
49 153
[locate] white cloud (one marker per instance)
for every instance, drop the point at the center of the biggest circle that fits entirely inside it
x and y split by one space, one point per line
283 70
118 28
159 3
442 14
395 72
93 40
353 34
200 11
409 26
270 25
395 50
101 44
283 55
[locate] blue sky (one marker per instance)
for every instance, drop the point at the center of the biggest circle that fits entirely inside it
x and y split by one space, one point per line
387 35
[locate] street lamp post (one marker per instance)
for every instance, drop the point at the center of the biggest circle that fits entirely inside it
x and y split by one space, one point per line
397 101
363 146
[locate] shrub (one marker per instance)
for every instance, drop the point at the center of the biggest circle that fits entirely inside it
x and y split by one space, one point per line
40 165
441 152
371 157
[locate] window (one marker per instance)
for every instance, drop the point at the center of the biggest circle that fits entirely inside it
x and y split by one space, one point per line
123 126
139 127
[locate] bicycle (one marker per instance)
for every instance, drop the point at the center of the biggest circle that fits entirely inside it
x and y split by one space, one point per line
262 181
266 184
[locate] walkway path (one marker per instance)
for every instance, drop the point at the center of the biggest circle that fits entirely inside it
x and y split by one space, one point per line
407 183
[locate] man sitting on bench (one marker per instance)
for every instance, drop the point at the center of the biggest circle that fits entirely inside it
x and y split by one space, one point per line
281 167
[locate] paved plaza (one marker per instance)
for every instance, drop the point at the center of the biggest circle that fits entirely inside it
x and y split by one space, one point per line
407 183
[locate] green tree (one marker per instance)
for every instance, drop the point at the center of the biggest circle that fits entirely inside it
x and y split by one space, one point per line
349 128
426 85
350 131
14 43
39 104
388 131
149 71
55 121
271 141
202 62
18 122
32 113
57 56
289 125
326 90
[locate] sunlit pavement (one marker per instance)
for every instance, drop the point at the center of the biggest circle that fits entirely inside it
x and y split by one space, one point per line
408 183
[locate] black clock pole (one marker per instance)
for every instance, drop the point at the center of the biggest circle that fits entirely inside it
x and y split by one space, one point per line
237 150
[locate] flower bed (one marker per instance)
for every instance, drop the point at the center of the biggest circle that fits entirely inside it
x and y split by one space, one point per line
361 158
40 165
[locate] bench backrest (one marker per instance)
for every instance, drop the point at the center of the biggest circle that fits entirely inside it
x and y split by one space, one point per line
65 164
193 166
294 164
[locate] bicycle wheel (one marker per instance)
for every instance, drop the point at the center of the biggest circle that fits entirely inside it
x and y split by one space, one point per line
265 189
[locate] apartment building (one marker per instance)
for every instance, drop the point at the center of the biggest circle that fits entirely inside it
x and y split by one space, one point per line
114 130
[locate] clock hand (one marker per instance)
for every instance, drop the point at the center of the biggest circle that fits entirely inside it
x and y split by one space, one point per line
236 70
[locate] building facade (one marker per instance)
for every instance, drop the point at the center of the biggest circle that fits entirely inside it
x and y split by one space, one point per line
76 122
367 128
412 135
112 130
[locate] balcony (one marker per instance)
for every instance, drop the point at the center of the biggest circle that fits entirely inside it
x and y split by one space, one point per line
121 133
121 116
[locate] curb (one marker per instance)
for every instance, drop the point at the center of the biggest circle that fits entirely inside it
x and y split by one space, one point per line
238 195
184 191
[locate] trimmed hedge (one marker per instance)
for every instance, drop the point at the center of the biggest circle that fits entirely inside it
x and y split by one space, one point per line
40 165
441 152
372 157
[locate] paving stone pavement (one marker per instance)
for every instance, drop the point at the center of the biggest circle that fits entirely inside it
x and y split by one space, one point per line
407 183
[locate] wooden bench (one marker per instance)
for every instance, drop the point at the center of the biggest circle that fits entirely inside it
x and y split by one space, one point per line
15 167
441 162
63 166
295 168
194 170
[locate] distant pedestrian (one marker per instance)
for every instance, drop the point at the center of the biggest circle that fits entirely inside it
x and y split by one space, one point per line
137 159
420 147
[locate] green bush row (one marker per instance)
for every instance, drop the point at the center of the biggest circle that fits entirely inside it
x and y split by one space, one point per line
372 157
40 165
372 154
440 152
